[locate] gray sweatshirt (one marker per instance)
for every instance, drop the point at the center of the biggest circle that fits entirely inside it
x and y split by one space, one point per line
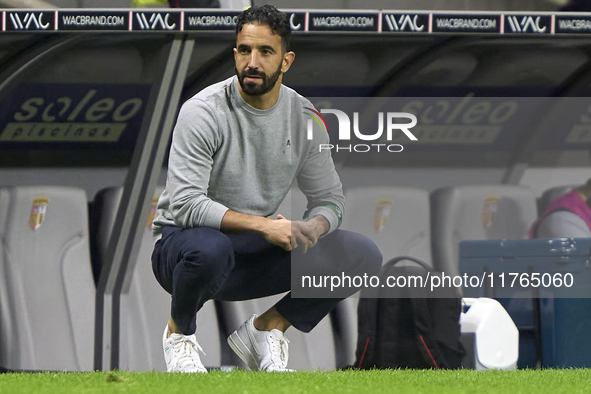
227 154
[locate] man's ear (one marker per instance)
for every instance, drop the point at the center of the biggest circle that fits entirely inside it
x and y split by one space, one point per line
288 59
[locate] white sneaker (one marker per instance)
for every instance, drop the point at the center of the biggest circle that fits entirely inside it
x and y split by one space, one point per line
260 350
181 353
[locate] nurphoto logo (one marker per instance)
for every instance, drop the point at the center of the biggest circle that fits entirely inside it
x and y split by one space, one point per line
344 130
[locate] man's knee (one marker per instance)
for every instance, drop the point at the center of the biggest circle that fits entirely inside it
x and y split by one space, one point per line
362 251
208 251
370 251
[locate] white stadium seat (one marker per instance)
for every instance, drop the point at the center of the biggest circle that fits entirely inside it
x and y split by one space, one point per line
47 293
345 313
395 218
477 213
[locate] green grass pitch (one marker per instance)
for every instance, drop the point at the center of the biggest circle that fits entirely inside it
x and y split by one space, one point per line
243 382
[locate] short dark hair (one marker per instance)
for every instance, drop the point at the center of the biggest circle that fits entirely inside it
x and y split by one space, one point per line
267 15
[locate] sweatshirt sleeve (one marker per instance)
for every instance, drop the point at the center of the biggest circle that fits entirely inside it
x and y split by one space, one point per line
320 182
195 140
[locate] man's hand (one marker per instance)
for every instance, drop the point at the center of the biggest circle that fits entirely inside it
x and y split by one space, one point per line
282 232
278 232
305 235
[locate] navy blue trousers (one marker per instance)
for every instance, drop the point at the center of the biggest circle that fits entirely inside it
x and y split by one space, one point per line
198 264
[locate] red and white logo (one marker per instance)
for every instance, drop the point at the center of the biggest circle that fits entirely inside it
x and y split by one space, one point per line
382 213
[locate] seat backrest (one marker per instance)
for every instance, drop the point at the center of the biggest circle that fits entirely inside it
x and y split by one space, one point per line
345 329
307 351
145 305
4 206
47 294
396 218
477 213
552 194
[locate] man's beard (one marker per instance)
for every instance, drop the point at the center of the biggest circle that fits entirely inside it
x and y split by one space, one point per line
252 89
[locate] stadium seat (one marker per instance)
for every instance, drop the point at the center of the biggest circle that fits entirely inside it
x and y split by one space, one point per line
552 194
307 351
477 213
484 212
345 331
47 293
395 218
4 199
145 308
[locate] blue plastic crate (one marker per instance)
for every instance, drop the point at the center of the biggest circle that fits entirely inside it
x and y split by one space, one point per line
554 321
